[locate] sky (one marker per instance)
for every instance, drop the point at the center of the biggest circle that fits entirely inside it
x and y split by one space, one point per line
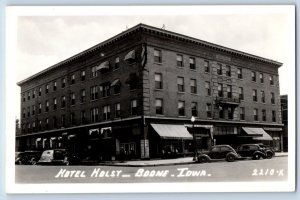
43 41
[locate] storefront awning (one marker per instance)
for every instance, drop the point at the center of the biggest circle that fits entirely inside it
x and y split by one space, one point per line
169 131
104 65
71 137
38 139
265 136
257 133
272 129
53 138
130 55
115 82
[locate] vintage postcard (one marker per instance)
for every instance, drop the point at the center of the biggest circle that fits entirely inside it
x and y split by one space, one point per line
119 99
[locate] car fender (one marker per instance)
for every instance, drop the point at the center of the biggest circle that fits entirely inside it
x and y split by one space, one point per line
204 155
259 153
231 153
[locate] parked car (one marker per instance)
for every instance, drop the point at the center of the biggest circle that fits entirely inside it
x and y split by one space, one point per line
268 150
27 157
58 157
254 151
218 152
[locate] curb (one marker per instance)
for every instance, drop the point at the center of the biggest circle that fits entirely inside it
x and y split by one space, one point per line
147 165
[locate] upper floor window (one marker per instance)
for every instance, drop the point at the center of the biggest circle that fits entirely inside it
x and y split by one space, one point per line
254 95
72 99
24 98
94 93
262 96
239 73
47 89
106 112
192 63
72 118
63 120
206 66
179 59
24 112
157 56
33 110
28 96
159 106
242 113
33 94
28 111
63 101
253 76
94 72
264 115
82 117
255 114
271 80
194 108
116 84
181 108
132 81
207 88
105 89
158 81
272 98
208 110
273 116
54 86
219 69
47 106
228 70
94 114
180 84
193 85
54 104
229 91
82 96
117 63
73 79
133 106
82 75
117 110
230 113
40 108
220 90
63 82
40 91
261 77
241 93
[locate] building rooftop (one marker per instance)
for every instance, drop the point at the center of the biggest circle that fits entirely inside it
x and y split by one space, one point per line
158 31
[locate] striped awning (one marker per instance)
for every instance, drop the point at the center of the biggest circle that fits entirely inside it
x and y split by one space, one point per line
257 133
130 55
171 131
104 65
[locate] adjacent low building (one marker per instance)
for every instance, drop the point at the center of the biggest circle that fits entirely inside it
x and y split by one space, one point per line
133 95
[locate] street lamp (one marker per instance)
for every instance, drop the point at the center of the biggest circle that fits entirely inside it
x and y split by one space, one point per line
194 139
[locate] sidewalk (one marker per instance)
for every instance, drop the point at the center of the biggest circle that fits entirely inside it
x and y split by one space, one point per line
165 162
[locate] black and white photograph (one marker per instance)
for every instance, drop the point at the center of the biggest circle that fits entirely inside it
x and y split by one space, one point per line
119 99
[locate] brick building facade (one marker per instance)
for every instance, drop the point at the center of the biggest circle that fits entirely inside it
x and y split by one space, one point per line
133 95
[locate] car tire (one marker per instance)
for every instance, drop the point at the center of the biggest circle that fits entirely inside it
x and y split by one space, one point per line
256 157
269 155
230 158
203 159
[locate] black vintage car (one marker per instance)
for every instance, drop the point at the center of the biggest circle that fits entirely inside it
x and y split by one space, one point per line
254 151
27 157
58 157
218 152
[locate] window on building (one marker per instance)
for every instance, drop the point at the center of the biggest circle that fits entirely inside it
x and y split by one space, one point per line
40 108
54 104
264 115
180 84
254 94
157 56
261 77
28 127
117 63
94 114
193 85
33 127
159 106
106 112
228 70
33 94
82 75
116 85
192 63
208 110
82 96
63 101
262 93
94 93
28 96
54 86
24 98
230 113
117 110
47 106
229 91
179 59
63 82
28 111
82 117
47 123
132 81
40 91
242 113
73 79
33 110
194 108
272 98
241 93
72 99
105 90
271 80
133 106
273 116
207 88
253 75
54 122
24 112
40 125
220 90
219 69
47 89
240 73
255 114
221 113
63 120
158 81
206 66
181 108
94 72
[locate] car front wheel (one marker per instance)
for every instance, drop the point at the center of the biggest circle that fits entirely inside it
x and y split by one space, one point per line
269 155
230 158
203 159
256 157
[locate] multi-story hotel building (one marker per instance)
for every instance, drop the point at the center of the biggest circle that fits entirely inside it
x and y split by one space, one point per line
135 93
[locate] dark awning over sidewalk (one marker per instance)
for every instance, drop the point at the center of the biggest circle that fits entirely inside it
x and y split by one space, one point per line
257 133
170 131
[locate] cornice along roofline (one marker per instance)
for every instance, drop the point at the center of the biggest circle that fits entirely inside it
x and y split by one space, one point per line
155 31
